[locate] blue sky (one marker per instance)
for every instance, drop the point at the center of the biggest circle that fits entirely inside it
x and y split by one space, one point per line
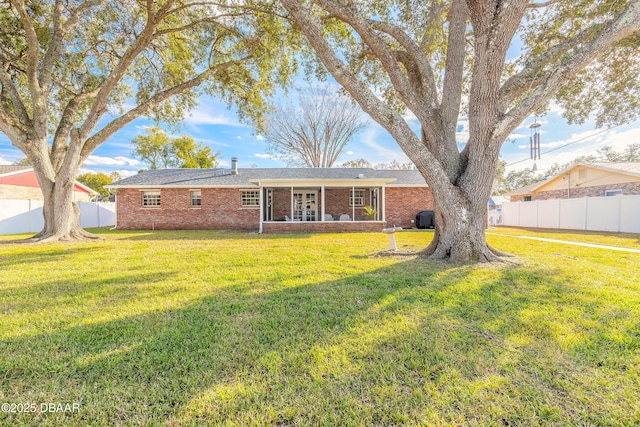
218 127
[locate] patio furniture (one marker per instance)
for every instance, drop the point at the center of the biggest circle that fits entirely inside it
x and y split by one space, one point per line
345 217
328 217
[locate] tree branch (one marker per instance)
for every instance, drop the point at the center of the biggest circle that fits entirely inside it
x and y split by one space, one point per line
19 109
543 4
625 26
60 30
534 73
453 79
33 55
107 131
386 116
420 107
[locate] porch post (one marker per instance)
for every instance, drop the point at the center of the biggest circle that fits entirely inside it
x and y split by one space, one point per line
383 204
353 203
291 203
262 198
322 201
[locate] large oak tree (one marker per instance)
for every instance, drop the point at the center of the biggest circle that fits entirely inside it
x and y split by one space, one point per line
73 72
447 59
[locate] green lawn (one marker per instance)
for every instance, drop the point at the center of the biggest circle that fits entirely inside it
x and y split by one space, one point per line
221 328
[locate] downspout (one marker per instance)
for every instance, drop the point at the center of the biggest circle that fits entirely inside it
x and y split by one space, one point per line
116 214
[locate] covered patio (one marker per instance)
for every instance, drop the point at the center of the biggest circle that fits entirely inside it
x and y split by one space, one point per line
322 205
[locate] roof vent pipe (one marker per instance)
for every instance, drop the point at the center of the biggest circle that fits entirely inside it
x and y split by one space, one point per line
234 166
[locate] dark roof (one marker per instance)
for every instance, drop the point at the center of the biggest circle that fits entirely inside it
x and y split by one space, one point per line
4 169
247 177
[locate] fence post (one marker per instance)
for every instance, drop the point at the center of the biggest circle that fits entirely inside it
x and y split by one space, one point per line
586 212
619 216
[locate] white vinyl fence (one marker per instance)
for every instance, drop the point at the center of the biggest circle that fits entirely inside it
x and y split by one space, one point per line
616 213
25 216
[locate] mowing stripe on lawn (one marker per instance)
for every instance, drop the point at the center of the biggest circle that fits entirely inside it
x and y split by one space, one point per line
568 242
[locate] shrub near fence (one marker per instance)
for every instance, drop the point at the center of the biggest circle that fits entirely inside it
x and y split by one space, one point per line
25 216
617 213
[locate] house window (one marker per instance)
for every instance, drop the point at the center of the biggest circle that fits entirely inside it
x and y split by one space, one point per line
150 198
612 192
251 198
356 197
527 198
196 198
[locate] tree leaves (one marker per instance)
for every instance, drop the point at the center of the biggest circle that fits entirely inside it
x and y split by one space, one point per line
159 151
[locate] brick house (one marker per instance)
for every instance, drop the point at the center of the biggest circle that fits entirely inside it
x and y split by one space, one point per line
20 183
584 180
271 199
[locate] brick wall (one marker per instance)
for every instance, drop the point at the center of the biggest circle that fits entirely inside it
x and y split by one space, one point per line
579 192
327 227
403 203
221 210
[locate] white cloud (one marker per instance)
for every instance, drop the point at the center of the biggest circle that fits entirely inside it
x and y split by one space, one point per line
203 117
462 130
265 156
260 137
379 153
349 153
238 136
111 161
124 173
4 162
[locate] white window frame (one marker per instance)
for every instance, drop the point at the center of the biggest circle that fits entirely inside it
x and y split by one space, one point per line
357 197
250 198
195 195
151 199
609 193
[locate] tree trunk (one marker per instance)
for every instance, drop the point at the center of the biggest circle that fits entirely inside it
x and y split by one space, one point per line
461 218
61 213
460 226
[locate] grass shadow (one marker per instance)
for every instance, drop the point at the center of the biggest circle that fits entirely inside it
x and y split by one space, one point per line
411 342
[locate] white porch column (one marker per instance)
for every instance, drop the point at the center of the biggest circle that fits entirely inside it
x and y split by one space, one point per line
353 203
261 208
291 203
322 201
383 204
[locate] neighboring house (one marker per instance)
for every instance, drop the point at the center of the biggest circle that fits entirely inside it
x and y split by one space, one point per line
20 183
271 200
494 209
584 180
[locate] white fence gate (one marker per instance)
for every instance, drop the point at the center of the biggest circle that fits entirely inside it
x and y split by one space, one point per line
617 213
25 216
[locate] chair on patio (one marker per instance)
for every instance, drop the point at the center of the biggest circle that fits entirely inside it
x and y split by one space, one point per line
345 217
328 217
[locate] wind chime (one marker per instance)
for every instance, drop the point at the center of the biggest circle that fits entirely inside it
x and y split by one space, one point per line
534 142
